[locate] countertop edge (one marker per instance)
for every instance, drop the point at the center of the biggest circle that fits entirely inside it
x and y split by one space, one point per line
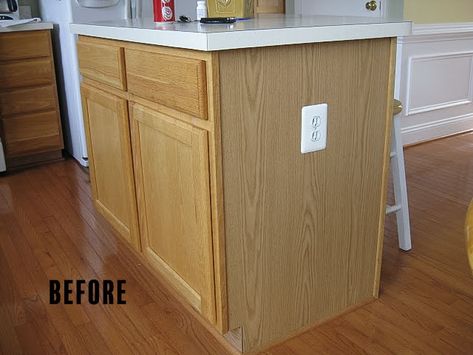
248 38
36 26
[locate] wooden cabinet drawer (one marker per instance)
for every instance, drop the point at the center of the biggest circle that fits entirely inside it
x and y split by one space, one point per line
177 82
32 133
41 98
26 73
22 45
103 63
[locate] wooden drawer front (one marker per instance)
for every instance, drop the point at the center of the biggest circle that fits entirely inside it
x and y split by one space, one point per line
41 98
21 45
32 133
172 81
102 63
26 73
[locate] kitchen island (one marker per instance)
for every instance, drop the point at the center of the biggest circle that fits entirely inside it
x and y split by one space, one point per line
194 138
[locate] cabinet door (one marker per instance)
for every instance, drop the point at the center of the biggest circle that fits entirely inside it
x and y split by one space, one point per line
172 182
111 168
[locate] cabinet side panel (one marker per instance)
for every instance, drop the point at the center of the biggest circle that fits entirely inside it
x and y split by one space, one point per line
302 230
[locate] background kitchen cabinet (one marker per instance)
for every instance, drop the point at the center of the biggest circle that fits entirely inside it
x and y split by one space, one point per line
29 111
107 132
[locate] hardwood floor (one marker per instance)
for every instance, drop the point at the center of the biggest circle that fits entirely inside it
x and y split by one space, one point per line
50 230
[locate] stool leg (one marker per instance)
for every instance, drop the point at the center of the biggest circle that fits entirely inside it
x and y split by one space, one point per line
400 187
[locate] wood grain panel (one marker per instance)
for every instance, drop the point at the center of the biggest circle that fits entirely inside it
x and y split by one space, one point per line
33 146
28 100
172 180
22 45
30 126
29 133
34 159
102 62
111 167
216 186
28 72
176 82
302 231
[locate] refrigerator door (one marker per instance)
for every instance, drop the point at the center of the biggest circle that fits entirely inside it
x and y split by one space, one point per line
97 3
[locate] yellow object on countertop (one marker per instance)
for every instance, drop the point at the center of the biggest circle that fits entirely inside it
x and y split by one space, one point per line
230 8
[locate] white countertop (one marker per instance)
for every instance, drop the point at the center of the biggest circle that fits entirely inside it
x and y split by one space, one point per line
35 26
267 30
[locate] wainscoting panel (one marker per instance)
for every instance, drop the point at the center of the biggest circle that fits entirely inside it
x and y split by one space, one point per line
435 81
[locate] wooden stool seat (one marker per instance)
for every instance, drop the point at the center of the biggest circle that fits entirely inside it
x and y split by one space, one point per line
469 234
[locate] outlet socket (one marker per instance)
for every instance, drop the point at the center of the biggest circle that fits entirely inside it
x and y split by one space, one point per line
314 128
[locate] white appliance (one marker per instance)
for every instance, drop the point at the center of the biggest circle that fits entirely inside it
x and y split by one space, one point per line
9 10
64 12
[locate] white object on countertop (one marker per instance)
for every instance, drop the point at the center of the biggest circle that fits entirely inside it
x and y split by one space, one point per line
201 9
3 166
10 23
268 30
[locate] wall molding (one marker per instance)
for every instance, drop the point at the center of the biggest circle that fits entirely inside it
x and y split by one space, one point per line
437 129
438 32
468 99
441 28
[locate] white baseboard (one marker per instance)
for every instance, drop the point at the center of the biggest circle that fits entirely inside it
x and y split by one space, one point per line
437 129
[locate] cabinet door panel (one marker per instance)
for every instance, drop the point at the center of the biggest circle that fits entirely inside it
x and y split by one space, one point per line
108 144
172 179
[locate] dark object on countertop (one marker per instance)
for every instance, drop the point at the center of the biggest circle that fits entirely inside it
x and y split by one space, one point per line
216 20
185 19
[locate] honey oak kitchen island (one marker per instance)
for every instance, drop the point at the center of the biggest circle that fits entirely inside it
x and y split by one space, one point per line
194 138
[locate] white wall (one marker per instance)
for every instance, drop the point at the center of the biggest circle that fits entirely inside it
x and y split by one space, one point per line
436 81
438 11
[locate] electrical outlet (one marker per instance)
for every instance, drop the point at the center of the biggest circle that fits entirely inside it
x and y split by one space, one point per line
314 128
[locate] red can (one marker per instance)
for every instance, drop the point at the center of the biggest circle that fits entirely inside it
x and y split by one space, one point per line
163 10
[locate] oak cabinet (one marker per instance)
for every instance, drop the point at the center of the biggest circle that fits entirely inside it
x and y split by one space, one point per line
172 181
150 163
108 143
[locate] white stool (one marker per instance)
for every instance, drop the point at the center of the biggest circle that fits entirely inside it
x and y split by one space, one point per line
401 207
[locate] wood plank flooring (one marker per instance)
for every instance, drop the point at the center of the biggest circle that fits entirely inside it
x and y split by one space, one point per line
50 230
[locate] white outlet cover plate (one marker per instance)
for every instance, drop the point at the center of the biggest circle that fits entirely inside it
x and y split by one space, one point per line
314 128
